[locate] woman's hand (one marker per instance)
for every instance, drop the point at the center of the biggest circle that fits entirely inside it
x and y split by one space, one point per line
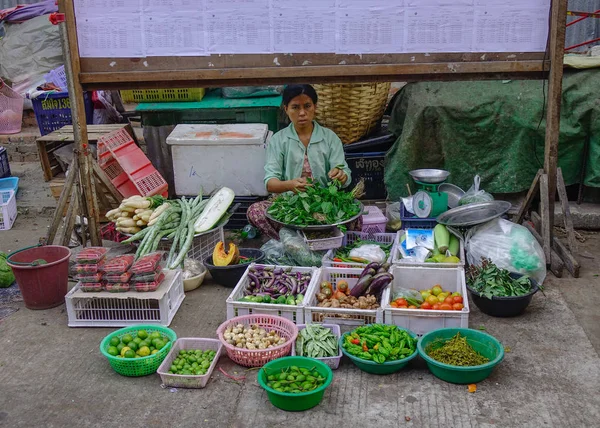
338 174
298 185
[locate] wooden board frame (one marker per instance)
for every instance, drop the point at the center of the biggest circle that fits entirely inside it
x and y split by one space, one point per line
236 70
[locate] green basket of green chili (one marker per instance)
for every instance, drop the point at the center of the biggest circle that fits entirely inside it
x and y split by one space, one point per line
379 348
460 355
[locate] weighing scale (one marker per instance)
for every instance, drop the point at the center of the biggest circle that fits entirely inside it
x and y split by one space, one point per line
429 201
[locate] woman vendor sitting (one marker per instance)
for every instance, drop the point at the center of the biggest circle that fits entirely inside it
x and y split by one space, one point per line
303 150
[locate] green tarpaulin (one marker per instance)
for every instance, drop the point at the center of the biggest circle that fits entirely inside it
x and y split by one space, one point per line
492 128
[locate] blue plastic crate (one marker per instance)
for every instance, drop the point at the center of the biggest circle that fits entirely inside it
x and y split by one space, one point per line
4 165
53 110
369 166
411 221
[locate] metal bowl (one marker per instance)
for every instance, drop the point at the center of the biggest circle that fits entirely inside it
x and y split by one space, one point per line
474 214
430 176
318 226
454 193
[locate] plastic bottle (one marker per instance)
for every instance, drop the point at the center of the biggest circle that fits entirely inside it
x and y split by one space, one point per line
249 232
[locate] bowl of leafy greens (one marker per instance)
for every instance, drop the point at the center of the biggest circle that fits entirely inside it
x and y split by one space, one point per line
498 292
318 208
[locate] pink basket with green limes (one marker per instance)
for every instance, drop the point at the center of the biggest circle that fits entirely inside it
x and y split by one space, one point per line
137 361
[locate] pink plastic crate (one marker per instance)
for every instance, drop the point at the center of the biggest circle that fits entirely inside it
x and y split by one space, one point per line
11 110
374 221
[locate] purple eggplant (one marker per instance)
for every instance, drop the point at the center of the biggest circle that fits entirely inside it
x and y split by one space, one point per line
379 283
362 285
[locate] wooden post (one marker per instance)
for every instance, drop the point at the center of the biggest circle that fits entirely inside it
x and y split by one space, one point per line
68 33
557 51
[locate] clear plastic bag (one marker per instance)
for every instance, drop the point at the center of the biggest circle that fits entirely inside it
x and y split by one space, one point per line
118 265
91 255
475 194
369 252
297 249
274 252
144 287
149 263
191 268
509 246
412 295
251 91
392 212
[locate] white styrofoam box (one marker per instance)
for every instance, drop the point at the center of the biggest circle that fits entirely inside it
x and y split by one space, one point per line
215 156
398 260
351 237
421 321
347 319
295 314
105 309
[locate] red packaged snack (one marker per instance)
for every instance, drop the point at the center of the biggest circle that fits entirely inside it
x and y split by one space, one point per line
146 277
118 288
91 287
91 255
89 278
89 269
148 264
116 278
119 264
149 286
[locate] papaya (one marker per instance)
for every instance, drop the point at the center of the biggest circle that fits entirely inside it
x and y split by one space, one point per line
222 258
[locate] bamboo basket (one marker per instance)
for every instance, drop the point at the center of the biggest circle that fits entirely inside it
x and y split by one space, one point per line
351 110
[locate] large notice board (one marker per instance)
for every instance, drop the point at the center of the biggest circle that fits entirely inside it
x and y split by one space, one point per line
147 43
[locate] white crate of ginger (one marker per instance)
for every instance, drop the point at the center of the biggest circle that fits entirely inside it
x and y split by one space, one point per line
421 321
214 156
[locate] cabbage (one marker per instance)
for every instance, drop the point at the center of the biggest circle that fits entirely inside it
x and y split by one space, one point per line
7 277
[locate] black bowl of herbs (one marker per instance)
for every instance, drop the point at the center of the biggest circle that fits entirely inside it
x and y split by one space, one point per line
498 292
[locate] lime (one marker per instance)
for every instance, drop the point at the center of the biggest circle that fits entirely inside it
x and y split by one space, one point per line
118 356
120 346
143 343
142 334
154 335
154 351
112 350
137 340
129 354
159 344
134 346
127 338
144 351
155 340
114 341
125 349
152 348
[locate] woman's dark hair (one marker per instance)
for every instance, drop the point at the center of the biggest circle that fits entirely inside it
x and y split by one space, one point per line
292 91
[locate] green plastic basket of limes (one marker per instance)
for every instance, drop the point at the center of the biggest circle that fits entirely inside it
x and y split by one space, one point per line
138 350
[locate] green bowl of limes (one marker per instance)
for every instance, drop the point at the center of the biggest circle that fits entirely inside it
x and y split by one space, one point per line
138 350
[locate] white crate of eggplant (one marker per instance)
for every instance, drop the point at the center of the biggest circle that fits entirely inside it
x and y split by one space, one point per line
349 297
273 290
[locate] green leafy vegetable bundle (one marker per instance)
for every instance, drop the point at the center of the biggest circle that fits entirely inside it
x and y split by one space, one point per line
318 205
491 281
380 343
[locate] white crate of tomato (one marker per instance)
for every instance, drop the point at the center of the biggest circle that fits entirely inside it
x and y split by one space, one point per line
274 281
389 240
345 317
422 321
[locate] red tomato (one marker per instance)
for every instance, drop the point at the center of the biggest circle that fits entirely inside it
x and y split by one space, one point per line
425 305
401 302
394 305
457 299
436 307
445 307
449 300
458 306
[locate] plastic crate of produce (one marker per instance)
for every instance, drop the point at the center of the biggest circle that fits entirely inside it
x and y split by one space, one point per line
321 244
189 381
347 319
332 362
369 166
162 95
203 244
295 314
422 321
374 221
351 237
398 260
58 77
8 209
411 221
53 110
4 165
105 309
